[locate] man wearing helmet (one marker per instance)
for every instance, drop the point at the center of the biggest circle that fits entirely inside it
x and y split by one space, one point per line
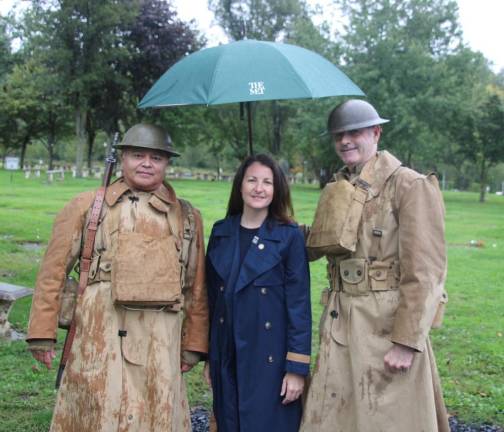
142 319
387 265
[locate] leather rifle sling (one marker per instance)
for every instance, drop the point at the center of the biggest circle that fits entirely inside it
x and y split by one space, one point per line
84 266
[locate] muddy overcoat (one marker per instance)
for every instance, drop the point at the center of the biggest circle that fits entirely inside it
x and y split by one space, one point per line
260 324
130 382
387 291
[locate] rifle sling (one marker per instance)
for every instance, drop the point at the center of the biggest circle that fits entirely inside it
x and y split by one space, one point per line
84 266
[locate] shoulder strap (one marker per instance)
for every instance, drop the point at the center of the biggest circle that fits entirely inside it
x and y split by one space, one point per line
188 266
374 250
84 266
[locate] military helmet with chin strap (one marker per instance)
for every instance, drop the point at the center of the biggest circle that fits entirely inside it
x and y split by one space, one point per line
148 136
353 114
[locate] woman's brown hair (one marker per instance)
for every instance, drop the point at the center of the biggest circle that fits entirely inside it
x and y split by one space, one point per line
281 205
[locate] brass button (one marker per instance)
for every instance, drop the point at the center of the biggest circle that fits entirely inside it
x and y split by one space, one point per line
270 359
221 320
264 291
267 325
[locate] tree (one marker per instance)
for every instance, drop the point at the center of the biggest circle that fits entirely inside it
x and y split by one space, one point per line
395 51
484 143
82 40
156 39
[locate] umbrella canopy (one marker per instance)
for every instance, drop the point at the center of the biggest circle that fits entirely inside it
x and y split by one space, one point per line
248 71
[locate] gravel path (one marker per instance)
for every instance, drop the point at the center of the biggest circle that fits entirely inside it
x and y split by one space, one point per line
199 419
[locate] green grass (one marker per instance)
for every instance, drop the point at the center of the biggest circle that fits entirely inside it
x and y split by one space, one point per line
469 347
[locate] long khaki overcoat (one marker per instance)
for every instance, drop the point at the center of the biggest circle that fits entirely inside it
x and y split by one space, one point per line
130 382
351 391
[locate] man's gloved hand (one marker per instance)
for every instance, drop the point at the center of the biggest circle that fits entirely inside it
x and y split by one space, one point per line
189 360
42 350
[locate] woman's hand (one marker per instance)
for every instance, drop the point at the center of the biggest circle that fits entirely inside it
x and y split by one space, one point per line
292 387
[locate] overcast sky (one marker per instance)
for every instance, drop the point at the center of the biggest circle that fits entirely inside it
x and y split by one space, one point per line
482 23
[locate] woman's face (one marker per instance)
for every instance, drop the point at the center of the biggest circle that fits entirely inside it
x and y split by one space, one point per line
257 187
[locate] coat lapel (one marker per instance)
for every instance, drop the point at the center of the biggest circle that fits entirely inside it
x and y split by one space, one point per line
222 257
262 255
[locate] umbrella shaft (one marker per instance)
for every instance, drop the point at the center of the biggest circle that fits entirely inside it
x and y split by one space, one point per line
249 121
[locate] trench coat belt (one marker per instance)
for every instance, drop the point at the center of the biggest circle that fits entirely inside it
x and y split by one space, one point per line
376 276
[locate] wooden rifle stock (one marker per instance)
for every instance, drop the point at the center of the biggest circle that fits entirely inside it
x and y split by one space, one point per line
87 252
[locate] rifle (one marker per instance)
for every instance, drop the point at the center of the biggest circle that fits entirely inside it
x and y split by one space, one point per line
87 251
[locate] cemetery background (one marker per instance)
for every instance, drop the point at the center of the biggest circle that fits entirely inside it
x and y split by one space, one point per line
469 347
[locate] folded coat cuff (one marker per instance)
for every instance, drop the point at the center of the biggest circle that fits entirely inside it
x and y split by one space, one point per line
298 363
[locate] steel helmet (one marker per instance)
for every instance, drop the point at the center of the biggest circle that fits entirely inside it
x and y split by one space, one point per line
353 114
148 136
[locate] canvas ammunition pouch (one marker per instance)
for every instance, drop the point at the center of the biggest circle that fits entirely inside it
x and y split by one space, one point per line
358 277
337 218
67 304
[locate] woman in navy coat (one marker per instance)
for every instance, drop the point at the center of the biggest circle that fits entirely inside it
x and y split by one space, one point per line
259 297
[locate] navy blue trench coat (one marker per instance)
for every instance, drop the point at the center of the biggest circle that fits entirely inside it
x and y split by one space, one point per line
260 324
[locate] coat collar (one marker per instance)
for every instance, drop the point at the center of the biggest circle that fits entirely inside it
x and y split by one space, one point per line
163 195
263 253
378 170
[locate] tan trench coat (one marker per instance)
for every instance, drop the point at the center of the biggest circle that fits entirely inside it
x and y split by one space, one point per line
370 307
112 383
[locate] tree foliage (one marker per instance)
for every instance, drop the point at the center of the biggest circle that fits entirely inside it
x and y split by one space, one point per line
85 64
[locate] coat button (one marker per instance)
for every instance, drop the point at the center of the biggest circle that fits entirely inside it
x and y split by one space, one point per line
270 359
346 272
334 314
359 273
264 290
221 288
378 273
261 246
221 320
267 325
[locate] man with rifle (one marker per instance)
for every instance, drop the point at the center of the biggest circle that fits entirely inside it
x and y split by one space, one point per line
141 314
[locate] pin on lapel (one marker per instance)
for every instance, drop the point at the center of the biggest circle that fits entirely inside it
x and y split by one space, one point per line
255 239
261 246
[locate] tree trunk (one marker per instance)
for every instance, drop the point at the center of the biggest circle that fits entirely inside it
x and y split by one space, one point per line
80 131
50 149
483 180
51 141
24 146
90 135
90 146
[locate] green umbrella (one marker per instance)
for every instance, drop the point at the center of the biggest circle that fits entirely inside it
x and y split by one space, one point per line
248 71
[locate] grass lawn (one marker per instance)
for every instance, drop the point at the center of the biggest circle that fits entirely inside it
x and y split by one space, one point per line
469 347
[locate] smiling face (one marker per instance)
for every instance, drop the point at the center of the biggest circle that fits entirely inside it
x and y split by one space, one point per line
357 146
257 187
144 169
